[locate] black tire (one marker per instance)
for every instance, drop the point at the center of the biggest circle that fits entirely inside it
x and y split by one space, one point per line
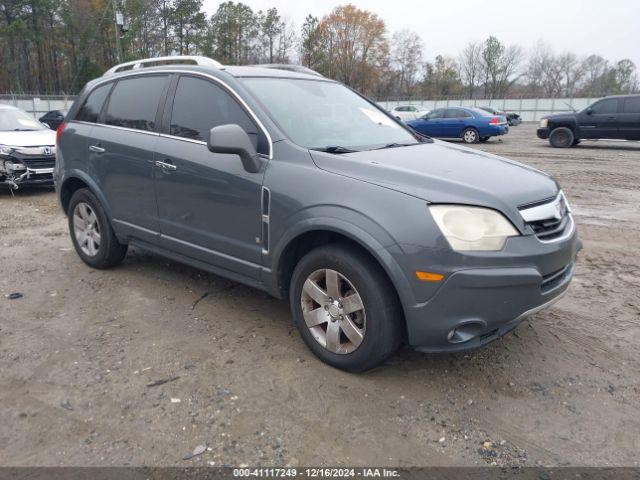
561 137
483 139
110 252
383 330
470 135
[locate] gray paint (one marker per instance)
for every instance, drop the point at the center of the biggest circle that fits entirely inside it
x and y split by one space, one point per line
207 212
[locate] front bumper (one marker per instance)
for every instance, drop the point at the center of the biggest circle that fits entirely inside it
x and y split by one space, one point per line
29 177
481 303
543 133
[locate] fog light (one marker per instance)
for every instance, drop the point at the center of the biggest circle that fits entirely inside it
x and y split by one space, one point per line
465 332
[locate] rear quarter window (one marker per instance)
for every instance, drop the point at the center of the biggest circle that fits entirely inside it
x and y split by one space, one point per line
134 102
631 105
90 110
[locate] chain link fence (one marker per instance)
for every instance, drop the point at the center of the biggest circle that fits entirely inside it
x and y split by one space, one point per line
38 105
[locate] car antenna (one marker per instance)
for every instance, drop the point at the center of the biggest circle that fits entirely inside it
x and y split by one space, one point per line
569 105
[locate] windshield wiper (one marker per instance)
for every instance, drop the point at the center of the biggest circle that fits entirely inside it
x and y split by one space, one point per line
23 130
334 149
396 145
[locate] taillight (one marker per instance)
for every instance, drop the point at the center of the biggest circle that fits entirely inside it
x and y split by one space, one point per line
494 121
60 129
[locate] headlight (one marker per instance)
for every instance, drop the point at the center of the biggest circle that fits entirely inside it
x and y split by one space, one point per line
544 122
4 150
472 228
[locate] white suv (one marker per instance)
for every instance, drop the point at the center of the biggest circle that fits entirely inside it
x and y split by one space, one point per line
27 149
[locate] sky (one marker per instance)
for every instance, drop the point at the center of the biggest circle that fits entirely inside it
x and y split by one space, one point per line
610 28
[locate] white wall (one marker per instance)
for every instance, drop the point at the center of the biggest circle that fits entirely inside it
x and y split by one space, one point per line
530 109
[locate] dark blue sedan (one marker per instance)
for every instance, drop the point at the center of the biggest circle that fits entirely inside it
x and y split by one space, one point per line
472 125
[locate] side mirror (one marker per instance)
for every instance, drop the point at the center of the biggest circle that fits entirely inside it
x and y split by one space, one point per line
232 138
589 111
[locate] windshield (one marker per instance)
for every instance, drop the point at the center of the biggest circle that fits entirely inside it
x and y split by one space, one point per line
17 121
319 114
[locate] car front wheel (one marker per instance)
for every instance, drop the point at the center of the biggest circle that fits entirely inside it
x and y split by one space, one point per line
561 137
345 308
470 135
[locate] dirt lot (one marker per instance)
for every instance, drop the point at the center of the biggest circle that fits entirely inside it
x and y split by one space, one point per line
79 350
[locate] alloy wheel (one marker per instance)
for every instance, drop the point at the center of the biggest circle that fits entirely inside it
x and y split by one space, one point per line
333 311
86 229
470 136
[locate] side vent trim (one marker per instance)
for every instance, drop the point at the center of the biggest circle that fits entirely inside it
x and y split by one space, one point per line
266 212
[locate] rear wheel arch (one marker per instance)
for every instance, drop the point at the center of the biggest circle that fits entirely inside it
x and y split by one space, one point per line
68 188
75 181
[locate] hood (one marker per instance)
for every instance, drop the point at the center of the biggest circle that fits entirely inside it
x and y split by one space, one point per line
36 138
562 116
440 172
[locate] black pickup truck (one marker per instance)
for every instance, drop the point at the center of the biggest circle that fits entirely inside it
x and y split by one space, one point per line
615 117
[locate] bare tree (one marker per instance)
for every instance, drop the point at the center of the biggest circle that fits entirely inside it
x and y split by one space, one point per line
470 63
406 58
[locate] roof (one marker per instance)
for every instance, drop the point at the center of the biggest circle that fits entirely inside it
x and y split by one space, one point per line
205 64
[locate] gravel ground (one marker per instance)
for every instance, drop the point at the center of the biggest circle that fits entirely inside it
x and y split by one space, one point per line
80 350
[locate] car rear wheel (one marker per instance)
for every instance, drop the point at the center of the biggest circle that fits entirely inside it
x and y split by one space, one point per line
91 232
345 308
561 137
470 135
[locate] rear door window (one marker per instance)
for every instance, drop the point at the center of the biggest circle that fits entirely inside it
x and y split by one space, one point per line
199 105
435 114
631 105
134 102
456 113
90 111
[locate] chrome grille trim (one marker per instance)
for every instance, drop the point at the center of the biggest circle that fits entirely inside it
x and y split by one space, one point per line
558 214
552 209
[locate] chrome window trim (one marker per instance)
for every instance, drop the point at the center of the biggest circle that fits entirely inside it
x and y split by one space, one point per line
184 139
138 73
82 122
192 140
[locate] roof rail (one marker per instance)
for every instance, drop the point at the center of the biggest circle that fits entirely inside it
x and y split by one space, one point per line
289 67
160 61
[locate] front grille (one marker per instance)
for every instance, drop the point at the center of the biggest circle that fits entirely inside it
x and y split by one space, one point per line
39 162
550 220
550 228
553 279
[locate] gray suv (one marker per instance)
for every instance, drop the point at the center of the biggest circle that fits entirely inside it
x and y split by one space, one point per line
294 184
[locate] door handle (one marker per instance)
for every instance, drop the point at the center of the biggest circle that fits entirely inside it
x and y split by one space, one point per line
97 149
165 165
